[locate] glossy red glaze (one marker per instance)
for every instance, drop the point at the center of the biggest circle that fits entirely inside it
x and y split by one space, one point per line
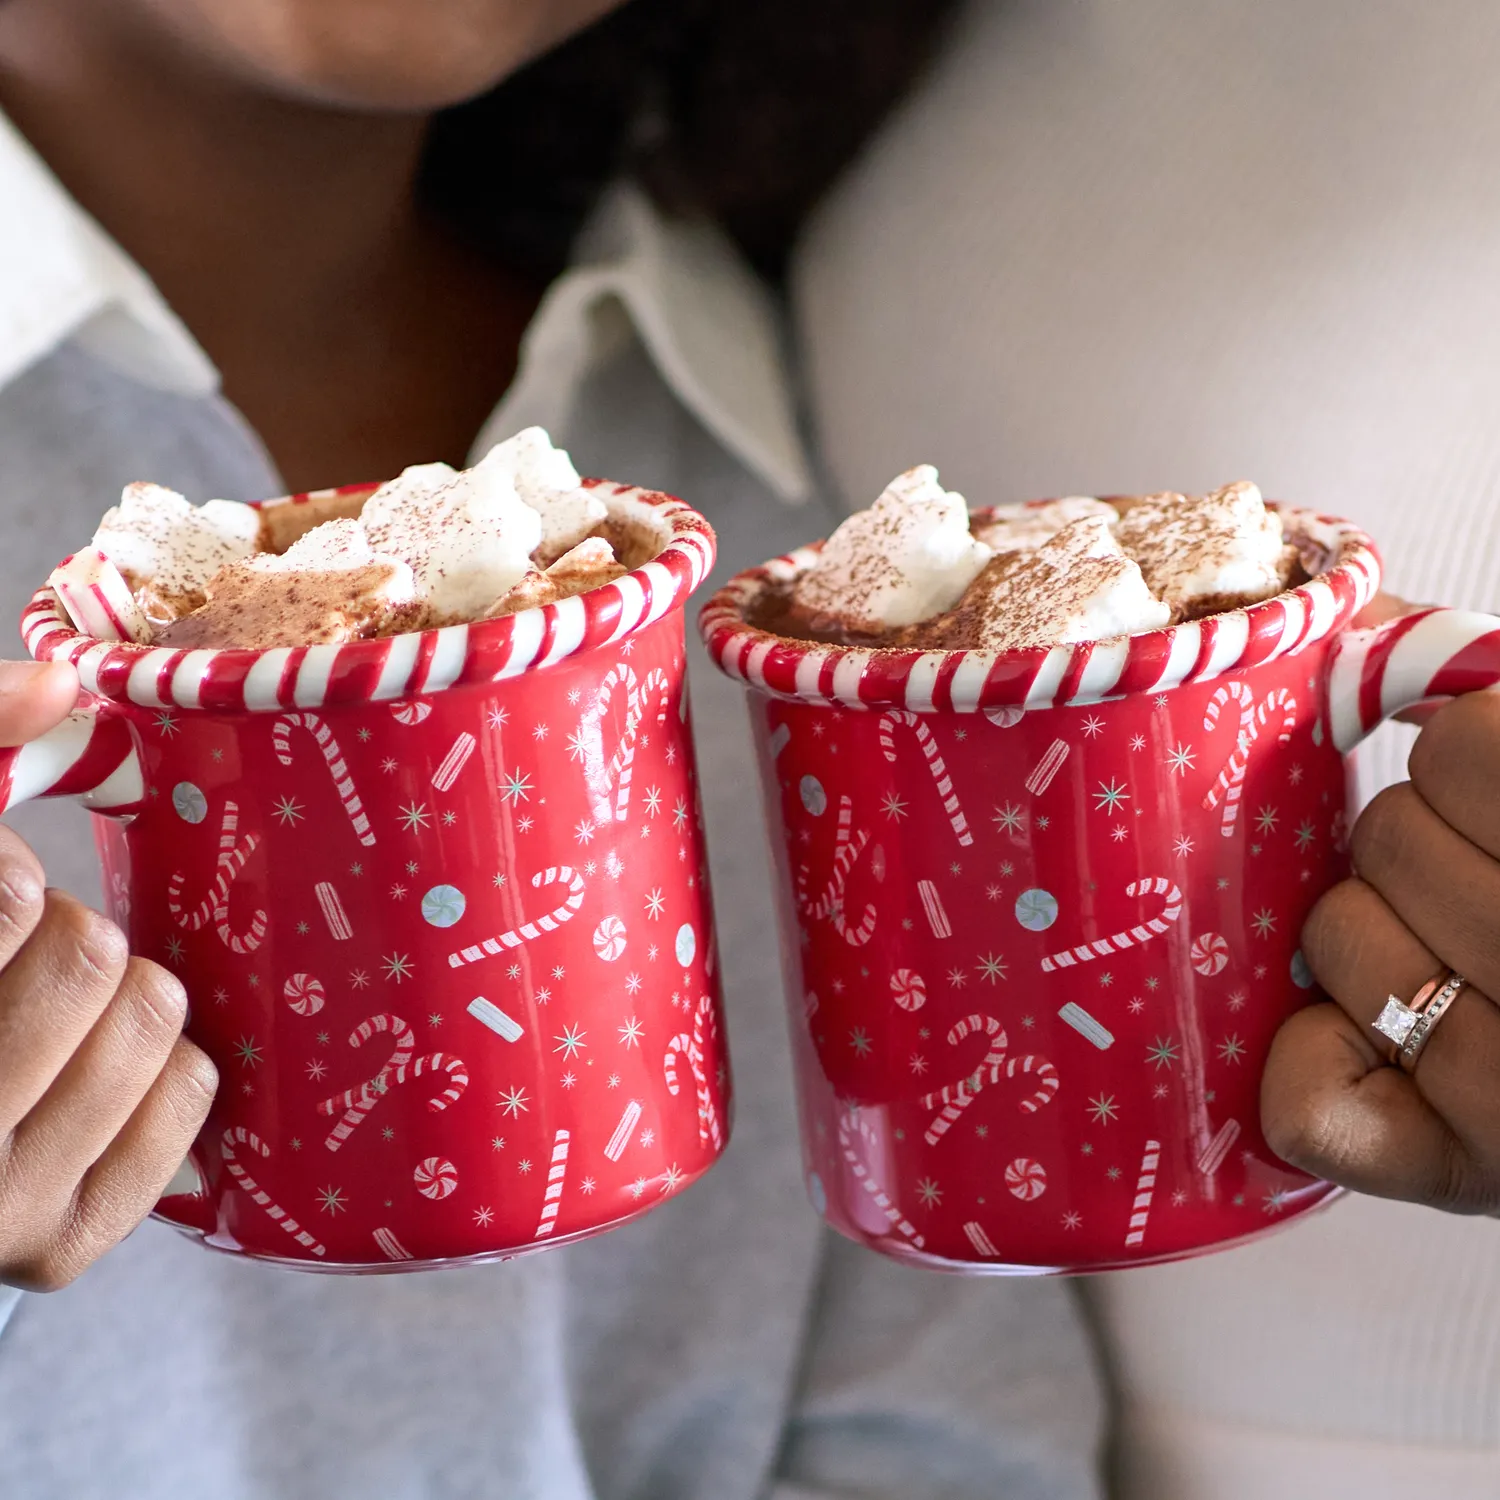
452 953
1040 917
1018 1139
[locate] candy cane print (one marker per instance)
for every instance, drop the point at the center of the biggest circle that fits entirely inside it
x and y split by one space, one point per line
708 1113
237 1135
1046 1076
490 947
1148 885
556 1175
1145 1188
873 1188
848 846
358 1102
657 688
691 1047
438 1062
389 1246
681 1045
955 1098
1231 783
233 855
940 777
343 782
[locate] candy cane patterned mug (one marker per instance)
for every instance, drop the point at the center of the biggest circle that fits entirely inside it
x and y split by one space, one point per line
1040 909
441 905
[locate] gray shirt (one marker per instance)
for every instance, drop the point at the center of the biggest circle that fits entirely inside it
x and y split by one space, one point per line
725 1346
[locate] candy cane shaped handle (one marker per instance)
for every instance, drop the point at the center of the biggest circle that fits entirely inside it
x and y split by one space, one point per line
1433 653
91 755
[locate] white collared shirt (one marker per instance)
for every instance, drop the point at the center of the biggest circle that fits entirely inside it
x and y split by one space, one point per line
725 1347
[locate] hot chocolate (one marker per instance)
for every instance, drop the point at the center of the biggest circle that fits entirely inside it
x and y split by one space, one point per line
433 547
916 571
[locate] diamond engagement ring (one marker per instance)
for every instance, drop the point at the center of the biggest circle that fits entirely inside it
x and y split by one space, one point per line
1408 1026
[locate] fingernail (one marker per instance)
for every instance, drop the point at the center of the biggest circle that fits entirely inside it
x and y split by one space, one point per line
28 676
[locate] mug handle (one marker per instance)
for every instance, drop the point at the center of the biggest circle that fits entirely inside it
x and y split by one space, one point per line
1433 653
92 755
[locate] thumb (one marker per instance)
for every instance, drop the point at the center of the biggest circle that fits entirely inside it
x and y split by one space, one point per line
1381 608
34 696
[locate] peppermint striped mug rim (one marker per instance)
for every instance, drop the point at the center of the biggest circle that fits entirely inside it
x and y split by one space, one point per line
272 680
992 682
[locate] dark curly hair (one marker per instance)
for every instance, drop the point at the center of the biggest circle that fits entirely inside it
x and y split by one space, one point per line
745 111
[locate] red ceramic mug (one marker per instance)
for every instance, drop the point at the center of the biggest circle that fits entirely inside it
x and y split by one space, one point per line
441 906
1040 909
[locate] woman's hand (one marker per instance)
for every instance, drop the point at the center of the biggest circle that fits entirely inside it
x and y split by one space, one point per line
1425 897
100 1096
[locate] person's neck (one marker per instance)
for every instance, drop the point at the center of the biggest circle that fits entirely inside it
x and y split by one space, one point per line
239 204
356 335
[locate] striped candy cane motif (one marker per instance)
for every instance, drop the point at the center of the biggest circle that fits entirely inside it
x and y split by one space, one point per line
862 1176
681 1045
358 1102
708 1112
438 1062
343 782
556 1175
955 1098
1231 783
1145 1189
233 854
237 1135
389 1246
1046 1077
691 1047
1431 653
940 777
1148 885
491 947
639 697
848 847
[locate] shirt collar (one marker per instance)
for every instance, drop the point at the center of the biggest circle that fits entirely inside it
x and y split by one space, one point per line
62 277
709 325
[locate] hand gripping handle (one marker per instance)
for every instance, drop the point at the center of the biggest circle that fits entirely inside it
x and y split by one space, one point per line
91 755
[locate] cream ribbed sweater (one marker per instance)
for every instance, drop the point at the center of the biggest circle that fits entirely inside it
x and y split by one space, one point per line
1170 243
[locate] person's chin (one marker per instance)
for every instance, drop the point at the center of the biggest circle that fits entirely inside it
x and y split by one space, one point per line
392 54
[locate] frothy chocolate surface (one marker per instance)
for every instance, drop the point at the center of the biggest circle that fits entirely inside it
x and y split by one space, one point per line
433 547
1050 573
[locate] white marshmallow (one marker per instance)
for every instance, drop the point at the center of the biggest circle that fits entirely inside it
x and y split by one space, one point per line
1095 592
1223 546
339 547
907 558
467 537
328 586
155 537
544 477
1018 528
